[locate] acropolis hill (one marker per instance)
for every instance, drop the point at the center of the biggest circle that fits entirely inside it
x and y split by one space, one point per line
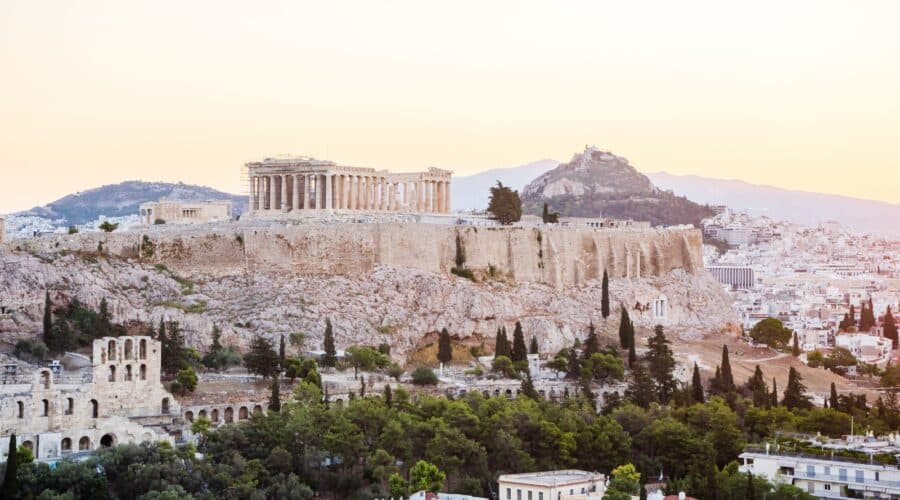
380 281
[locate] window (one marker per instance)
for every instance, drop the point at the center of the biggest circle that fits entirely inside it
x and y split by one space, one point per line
128 373
95 408
128 348
143 372
860 476
165 406
21 406
518 494
70 406
112 374
84 443
66 445
827 487
143 349
111 350
508 493
842 474
45 408
811 470
529 495
540 495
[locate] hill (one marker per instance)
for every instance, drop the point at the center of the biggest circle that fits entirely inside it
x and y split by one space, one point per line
596 183
471 192
116 200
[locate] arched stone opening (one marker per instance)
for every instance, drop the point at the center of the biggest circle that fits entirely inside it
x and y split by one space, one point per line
66 445
165 406
243 413
112 374
108 440
45 408
215 415
21 409
84 443
202 414
257 410
95 408
229 415
70 406
111 350
143 372
129 347
189 416
128 373
28 444
143 349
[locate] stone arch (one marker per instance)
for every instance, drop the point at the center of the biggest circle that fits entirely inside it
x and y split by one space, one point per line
46 378
45 408
189 416
84 443
21 409
28 444
202 414
509 393
112 373
339 402
243 414
165 406
257 410
215 415
143 349
129 349
66 445
111 350
143 372
486 393
229 415
496 392
108 440
95 408
128 375
70 406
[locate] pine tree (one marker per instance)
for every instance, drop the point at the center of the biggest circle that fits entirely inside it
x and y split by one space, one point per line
216 339
852 315
104 320
173 355
758 389
727 377
49 339
574 365
662 363
834 396
533 348
697 386
890 327
275 397
641 391
591 344
795 392
715 383
528 388
795 348
329 360
624 326
501 346
10 488
519 351
445 349
604 298
261 358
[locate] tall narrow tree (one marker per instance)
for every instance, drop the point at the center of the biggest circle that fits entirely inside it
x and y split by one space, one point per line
758 389
604 297
795 393
591 343
795 348
10 488
890 326
275 396
697 386
104 319
774 397
641 391
533 348
727 377
632 355
445 349
624 327
281 353
834 396
661 363
49 340
329 360
519 351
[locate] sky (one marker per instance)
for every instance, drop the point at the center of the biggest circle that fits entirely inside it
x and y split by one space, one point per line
800 94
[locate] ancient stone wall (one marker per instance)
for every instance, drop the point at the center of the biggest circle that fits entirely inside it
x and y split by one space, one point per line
557 256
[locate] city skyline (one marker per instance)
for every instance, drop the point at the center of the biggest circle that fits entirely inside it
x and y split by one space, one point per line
796 96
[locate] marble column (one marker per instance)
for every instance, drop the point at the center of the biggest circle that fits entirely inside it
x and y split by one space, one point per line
306 192
271 192
329 195
382 203
295 192
252 194
367 183
447 196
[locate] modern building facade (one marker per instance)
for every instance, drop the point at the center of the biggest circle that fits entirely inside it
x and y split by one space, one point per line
303 185
552 485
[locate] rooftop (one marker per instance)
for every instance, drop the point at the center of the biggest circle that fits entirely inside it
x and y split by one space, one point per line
551 478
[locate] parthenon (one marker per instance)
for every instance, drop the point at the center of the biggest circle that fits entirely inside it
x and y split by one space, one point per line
302 184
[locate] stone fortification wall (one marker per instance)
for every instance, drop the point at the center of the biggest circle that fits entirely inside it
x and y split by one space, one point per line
552 255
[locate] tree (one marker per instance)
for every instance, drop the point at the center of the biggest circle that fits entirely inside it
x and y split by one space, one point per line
187 380
549 218
174 356
396 485
756 386
774 396
108 226
10 487
425 476
104 320
697 386
501 345
365 358
504 366
527 388
505 204
519 351
424 376
602 366
834 396
727 379
795 348
772 332
662 364
329 360
632 355
533 348
795 393
626 329
281 352
49 339
591 344
275 394
641 391
388 395
890 327
604 297
261 358
445 349
867 316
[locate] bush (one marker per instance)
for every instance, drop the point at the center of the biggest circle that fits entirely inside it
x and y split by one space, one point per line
73 230
108 226
395 371
424 376
463 273
159 222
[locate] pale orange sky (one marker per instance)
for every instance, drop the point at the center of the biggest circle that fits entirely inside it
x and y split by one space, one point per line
798 94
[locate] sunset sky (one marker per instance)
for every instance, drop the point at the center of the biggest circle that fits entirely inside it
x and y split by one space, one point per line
798 94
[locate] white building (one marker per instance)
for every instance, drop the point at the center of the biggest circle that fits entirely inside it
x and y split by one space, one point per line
552 485
825 476
866 348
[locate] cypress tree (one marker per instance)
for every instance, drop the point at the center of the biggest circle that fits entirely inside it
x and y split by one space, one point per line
774 397
715 384
758 389
890 327
574 368
852 315
10 488
591 344
275 397
501 346
795 348
445 349
533 348
795 392
661 361
751 489
545 215
281 353
641 390
49 339
519 351
604 298
104 320
329 360
697 386
727 377
834 396
632 355
624 324
388 395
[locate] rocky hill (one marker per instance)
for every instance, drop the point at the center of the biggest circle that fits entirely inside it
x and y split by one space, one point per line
598 183
116 200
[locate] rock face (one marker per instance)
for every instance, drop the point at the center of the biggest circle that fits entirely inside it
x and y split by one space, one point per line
598 183
558 256
397 305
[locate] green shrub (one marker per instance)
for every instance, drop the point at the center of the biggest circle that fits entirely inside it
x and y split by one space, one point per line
424 376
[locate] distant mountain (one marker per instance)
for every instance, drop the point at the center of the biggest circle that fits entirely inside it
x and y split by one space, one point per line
596 183
116 200
867 216
472 191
